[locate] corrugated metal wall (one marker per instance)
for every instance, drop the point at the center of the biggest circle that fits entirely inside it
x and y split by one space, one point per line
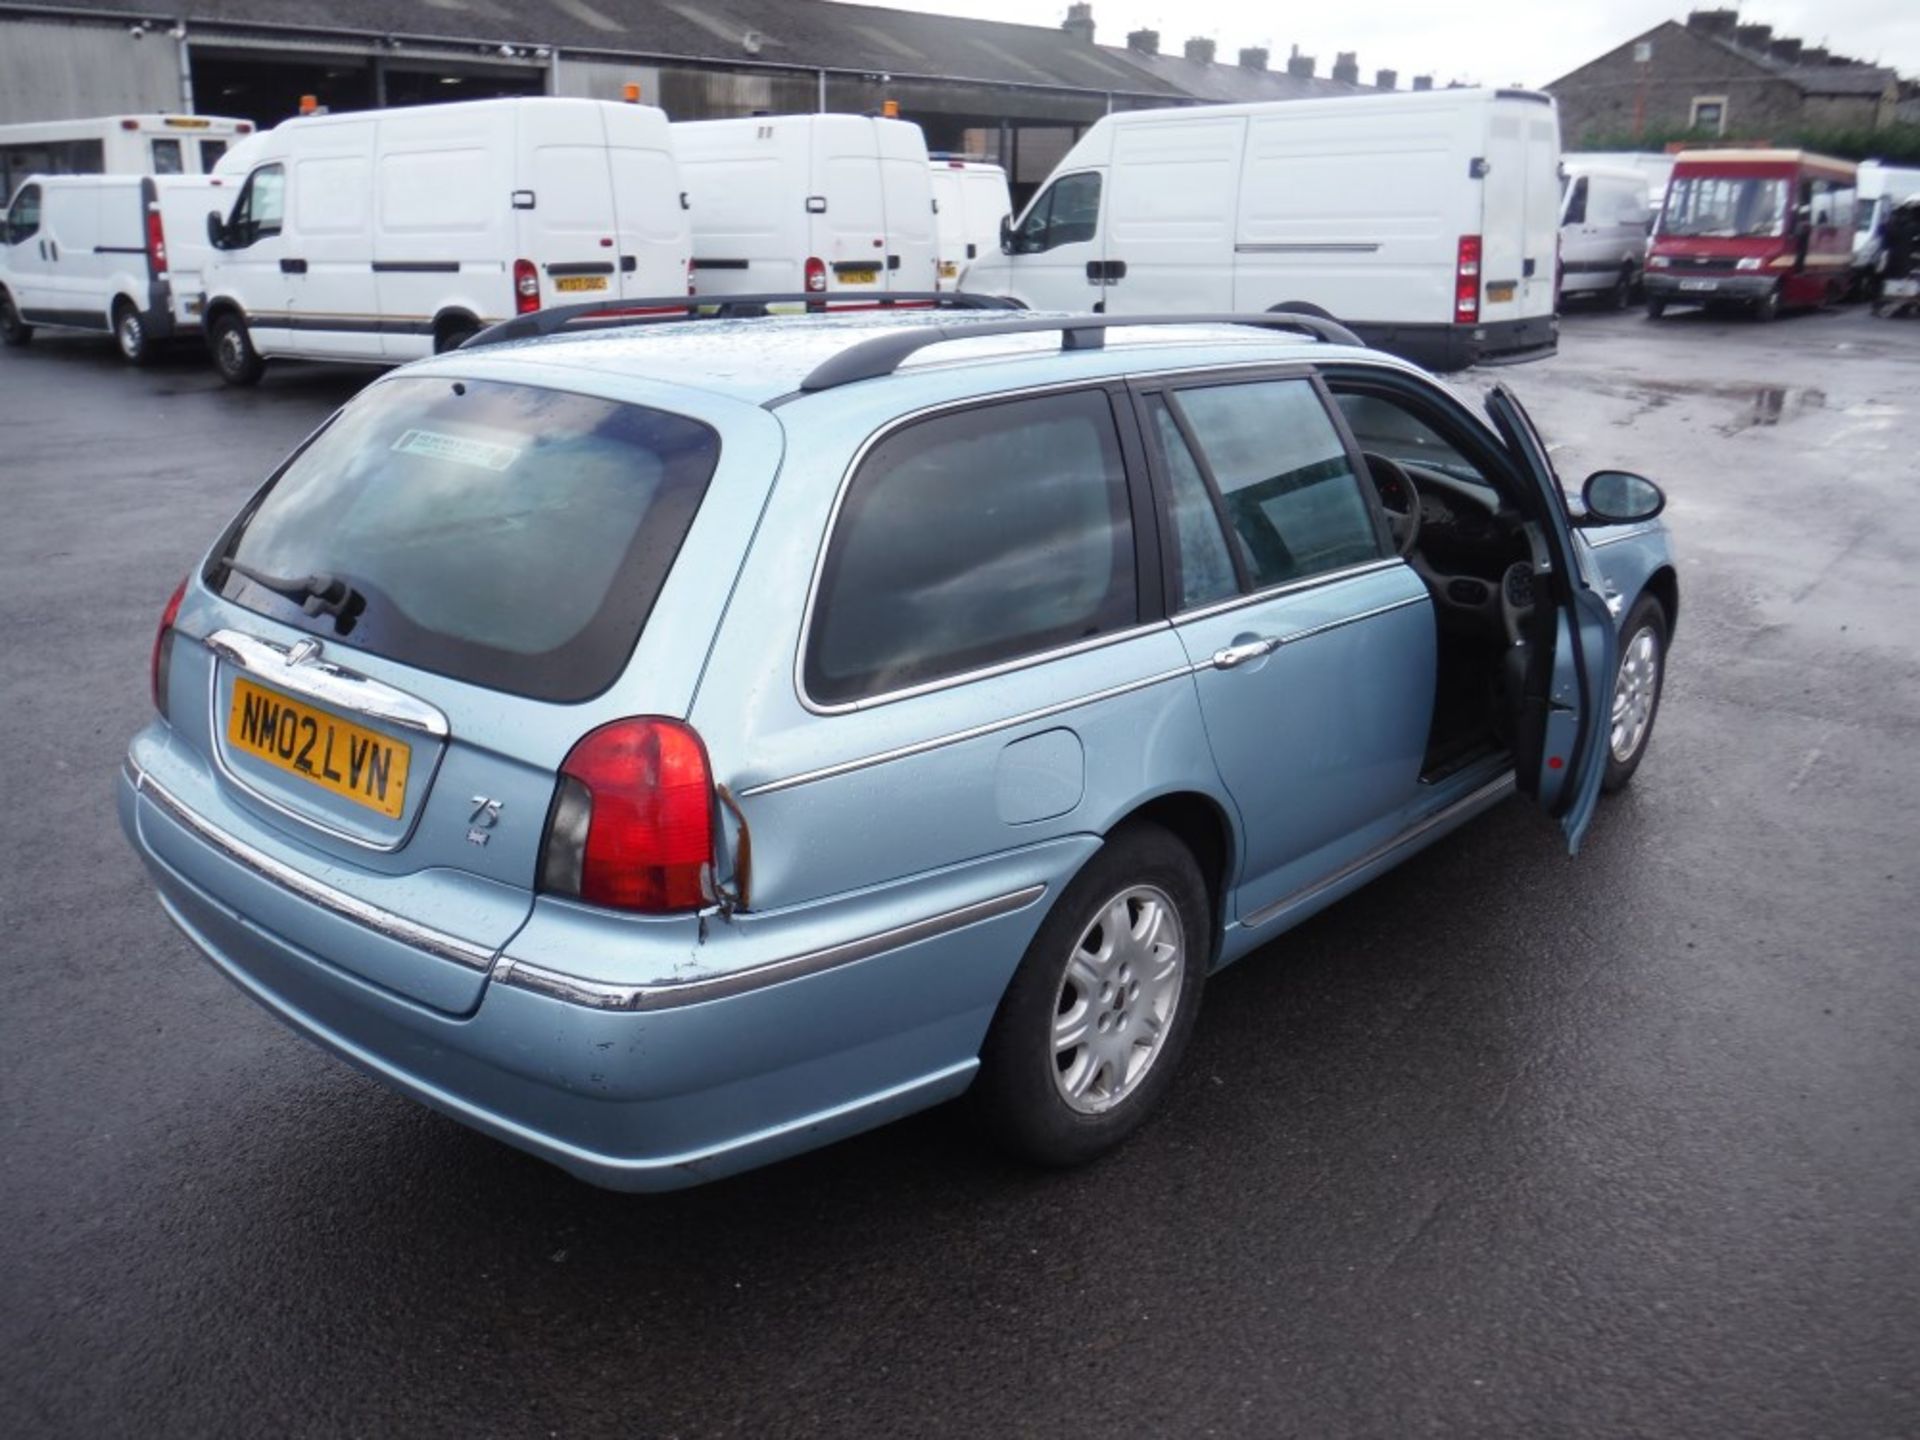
63 70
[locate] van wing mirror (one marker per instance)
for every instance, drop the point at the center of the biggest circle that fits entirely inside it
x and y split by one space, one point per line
216 230
1619 497
1006 234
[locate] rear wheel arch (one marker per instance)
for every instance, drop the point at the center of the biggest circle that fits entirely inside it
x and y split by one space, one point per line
453 326
1200 823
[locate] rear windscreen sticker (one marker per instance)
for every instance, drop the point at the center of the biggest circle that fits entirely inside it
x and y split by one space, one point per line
434 445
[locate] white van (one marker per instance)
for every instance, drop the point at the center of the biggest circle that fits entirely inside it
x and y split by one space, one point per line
1605 217
1882 187
1424 220
93 252
970 200
382 236
820 204
116 145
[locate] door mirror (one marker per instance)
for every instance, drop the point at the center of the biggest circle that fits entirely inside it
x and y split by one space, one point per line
1006 234
216 230
1617 497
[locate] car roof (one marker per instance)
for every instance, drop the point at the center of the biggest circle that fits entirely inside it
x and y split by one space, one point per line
762 359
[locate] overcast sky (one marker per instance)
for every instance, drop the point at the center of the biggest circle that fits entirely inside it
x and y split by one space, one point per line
1500 44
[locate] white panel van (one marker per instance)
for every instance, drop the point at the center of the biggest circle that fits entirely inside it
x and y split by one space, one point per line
1881 187
93 252
970 200
383 236
1427 221
820 204
1605 218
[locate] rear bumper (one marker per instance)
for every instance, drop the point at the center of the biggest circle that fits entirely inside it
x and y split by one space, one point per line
590 1045
1444 348
1747 289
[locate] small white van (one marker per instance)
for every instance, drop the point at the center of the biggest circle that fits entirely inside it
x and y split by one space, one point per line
93 253
970 200
382 236
1605 217
1424 220
1881 187
820 204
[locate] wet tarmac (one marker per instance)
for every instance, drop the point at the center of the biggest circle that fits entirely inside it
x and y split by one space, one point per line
1506 1144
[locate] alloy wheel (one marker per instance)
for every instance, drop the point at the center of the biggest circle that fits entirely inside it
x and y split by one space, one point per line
1117 999
1635 688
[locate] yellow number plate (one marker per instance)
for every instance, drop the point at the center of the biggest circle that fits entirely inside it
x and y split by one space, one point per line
580 282
857 277
949 269
335 754
1500 291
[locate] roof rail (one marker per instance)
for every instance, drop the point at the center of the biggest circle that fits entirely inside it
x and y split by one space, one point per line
613 314
883 354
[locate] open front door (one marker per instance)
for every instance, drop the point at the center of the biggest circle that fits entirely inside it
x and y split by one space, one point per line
1561 697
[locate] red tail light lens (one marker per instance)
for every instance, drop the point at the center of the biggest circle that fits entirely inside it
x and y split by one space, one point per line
526 287
163 648
816 275
1466 282
156 242
632 825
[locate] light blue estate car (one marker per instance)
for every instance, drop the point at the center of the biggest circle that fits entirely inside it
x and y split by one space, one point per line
671 746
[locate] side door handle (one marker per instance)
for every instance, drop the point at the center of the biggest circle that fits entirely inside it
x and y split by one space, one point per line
53 251
43 249
293 267
893 262
1105 271
628 264
1230 656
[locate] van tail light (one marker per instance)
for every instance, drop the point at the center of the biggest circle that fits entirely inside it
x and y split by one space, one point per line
156 242
526 287
1466 282
163 648
632 824
690 285
816 275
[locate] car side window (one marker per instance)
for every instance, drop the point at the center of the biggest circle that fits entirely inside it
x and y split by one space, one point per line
261 206
1067 213
23 218
1205 565
167 159
1577 203
1382 427
973 538
1281 469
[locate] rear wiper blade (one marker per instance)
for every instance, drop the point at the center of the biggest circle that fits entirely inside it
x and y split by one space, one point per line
316 594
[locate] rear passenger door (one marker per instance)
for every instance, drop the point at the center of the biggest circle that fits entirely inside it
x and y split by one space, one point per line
1313 647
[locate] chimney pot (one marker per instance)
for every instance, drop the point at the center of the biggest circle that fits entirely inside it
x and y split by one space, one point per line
1814 55
1785 50
1346 67
1423 82
1253 59
1385 79
1144 42
1300 65
1200 49
1079 21
1713 22
1753 37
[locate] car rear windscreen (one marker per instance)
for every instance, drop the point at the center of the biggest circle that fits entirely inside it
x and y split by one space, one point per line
507 535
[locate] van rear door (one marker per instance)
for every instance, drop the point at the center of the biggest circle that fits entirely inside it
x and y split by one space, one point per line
850 235
563 194
1520 209
650 219
1170 215
906 190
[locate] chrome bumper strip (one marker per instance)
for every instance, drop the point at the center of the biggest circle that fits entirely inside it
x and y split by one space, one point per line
601 995
336 902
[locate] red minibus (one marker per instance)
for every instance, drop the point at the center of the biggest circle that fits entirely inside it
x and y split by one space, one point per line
1761 228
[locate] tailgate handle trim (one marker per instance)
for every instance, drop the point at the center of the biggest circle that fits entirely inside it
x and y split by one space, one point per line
317 679
314 892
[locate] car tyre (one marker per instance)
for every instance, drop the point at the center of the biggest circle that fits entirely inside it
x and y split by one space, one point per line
13 330
130 334
1637 681
1086 1039
1656 308
1621 296
233 353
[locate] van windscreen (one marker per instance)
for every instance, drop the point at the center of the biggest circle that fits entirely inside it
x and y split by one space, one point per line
1725 206
507 535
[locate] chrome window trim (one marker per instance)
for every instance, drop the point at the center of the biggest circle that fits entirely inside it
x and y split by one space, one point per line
968 677
605 995
327 683
920 747
1495 789
336 902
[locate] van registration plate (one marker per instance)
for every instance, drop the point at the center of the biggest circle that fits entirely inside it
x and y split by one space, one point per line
576 283
1699 284
851 276
322 749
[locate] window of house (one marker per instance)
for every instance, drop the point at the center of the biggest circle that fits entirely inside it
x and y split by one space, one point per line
1709 114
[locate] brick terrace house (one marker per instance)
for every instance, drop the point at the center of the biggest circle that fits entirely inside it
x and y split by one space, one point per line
1716 76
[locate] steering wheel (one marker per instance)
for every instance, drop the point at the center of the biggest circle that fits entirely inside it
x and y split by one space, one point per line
1397 497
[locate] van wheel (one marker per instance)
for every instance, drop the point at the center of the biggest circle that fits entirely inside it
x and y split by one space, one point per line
233 353
13 330
452 334
1656 308
1087 1037
1621 296
130 334
1767 307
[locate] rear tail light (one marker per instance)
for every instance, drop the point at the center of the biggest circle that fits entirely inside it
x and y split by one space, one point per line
1466 282
163 648
632 824
526 287
816 275
156 242
690 287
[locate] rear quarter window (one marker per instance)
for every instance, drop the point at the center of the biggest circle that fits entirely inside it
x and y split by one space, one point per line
971 539
511 536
